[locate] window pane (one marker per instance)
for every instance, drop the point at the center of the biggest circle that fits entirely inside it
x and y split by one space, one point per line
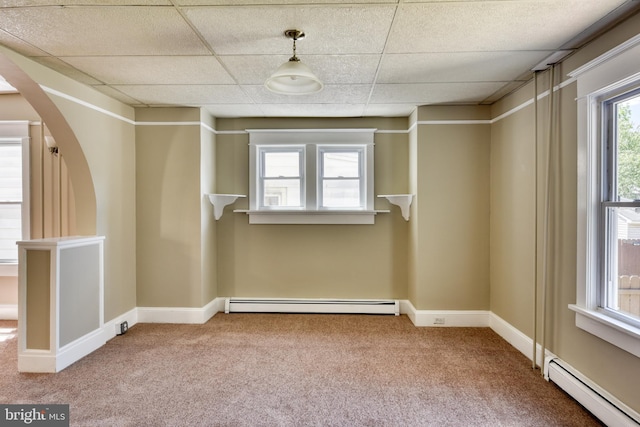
281 192
10 231
281 164
10 173
341 193
623 290
338 164
628 149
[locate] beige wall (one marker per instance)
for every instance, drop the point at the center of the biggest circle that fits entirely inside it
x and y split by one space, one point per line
313 261
450 234
169 208
512 238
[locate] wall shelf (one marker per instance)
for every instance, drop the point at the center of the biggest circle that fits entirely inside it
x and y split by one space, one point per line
401 200
220 201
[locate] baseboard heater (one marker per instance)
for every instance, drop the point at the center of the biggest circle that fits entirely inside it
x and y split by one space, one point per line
596 400
286 305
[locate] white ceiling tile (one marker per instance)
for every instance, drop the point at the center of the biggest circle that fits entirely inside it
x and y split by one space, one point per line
32 3
218 53
328 29
330 94
103 30
433 93
389 110
184 94
330 69
18 45
492 25
313 110
153 69
456 67
234 110
64 68
116 94
273 2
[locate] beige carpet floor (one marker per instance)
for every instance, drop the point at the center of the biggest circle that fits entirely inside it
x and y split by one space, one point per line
298 370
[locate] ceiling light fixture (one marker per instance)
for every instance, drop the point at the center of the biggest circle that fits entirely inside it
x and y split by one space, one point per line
293 77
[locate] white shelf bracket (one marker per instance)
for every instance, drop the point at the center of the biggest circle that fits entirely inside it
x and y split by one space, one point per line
220 201
401 200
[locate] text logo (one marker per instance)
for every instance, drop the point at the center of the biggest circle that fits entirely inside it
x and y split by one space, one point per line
34 415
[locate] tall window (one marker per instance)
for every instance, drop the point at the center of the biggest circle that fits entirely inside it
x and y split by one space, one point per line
620 212
10 198
608 192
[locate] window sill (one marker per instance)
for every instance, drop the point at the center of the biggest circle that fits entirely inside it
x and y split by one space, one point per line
311 217
9 269
618 333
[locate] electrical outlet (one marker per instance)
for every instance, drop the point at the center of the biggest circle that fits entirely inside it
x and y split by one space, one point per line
121 328
438 321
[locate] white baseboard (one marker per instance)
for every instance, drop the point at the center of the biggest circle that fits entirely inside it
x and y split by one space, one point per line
180 314
131 317
49 361
445 318
8 311
517 339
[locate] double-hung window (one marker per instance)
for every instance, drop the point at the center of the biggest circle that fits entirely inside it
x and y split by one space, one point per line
281 177
10 199
341 182
619 295
311 176
14 188
608 226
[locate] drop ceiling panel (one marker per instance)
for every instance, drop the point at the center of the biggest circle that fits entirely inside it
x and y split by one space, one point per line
389 110
165 69
275 2
433 93
182 95
313 110
492 26
103 30
234 110
375 57
456 67
329 30
331 94
330 69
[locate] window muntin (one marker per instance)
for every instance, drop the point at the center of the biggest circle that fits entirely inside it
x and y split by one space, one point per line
10 199
619 289
341 178
339 182
281 177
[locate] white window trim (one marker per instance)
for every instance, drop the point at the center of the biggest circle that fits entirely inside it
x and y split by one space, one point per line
18 131
311 139
606 74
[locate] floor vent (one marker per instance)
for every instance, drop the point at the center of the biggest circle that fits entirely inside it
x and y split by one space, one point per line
342 306
600 403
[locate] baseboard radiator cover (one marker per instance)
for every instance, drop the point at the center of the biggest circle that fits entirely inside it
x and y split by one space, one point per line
292 305
594 398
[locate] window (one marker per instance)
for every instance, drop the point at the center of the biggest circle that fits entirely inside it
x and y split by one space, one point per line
10 199
281 177
620 209
608 229
341 177
311 176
